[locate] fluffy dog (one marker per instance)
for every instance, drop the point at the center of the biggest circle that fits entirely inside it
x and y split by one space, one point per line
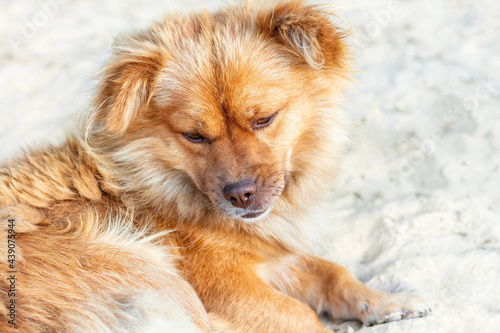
181 205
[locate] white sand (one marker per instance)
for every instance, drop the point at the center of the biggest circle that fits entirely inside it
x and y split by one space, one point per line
418 204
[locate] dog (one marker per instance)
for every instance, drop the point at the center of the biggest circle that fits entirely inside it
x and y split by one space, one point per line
182 203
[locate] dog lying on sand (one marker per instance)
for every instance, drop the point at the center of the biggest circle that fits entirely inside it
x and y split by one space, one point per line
181 205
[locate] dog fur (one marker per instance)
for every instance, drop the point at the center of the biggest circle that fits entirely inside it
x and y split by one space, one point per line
125 226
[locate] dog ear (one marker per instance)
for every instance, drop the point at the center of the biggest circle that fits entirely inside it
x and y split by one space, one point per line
306 31
127 83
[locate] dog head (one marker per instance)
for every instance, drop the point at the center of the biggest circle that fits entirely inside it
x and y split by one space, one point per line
218 112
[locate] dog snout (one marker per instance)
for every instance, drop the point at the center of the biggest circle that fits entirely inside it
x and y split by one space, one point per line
240 194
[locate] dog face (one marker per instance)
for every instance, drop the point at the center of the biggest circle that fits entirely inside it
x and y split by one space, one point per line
227 99
230 124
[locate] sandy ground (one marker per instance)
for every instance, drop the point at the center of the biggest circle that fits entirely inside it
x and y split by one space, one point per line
417 206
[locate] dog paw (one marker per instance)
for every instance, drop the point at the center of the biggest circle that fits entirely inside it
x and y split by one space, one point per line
392 307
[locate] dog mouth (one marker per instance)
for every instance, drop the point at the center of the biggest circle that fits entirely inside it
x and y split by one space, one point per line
255 215
245 201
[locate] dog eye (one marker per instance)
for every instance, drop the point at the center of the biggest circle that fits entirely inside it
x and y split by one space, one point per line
194 137
263 122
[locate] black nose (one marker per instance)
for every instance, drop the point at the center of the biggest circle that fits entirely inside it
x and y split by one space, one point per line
240 194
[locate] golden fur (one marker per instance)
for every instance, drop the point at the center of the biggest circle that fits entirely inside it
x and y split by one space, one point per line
125 227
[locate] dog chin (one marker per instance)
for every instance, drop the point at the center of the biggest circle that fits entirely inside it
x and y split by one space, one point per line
253 217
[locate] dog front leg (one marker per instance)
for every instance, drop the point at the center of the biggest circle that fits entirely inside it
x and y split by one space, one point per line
244 303
330 288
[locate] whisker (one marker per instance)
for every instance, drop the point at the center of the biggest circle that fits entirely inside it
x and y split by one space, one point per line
309 173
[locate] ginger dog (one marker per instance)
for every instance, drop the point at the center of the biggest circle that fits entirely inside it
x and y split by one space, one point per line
181 205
